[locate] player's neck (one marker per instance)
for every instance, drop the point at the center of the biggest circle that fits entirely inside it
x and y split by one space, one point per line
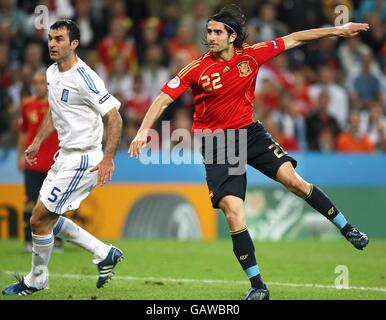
225 55
66 64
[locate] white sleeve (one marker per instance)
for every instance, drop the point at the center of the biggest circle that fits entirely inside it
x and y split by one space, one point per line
94 93
48 75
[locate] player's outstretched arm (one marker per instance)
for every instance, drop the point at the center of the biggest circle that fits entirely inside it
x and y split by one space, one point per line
347 30
105 168
46 128
152 115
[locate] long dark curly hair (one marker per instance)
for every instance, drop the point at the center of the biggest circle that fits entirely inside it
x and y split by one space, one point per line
234 20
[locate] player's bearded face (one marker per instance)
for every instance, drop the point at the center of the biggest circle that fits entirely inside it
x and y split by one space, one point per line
217 37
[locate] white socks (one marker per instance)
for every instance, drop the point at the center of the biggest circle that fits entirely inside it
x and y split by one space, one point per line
41 253
67 230
43 244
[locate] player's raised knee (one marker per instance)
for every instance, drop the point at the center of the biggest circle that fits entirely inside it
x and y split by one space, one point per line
36 222
41 221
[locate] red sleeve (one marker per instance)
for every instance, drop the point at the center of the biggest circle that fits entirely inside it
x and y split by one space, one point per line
266 51
182 81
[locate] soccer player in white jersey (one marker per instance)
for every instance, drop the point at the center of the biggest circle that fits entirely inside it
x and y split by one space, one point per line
78 101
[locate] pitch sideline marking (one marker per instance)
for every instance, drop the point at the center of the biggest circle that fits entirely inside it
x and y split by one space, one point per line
210 281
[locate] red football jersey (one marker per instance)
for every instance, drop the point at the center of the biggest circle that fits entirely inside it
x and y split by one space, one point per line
223 91
32 115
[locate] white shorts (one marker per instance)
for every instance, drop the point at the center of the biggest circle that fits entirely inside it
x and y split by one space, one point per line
69 181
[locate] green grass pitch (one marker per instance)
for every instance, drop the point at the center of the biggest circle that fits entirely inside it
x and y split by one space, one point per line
207 270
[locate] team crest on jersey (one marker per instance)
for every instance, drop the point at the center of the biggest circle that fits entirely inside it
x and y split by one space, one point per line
174 83
64 97
244 69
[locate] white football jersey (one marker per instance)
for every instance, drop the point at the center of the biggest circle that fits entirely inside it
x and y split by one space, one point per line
78 100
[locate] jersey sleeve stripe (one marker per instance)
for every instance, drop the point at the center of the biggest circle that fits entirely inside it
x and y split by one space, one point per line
187 67
87 78
260 45
186 70
185 73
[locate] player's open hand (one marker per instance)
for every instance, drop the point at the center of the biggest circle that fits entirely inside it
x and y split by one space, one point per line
352 29
30 153
105 170
138 143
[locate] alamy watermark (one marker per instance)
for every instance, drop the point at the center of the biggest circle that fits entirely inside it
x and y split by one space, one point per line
342 280
343 15
42 17
211 147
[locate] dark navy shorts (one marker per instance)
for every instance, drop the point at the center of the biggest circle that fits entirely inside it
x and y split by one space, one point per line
263 154
33 181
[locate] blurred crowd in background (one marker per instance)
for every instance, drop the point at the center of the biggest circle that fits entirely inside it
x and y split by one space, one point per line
327 96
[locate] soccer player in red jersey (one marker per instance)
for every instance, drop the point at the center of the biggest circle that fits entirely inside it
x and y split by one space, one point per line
33 111
223 83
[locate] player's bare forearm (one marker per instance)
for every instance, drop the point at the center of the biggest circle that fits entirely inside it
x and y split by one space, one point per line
46 128
301 37
155 111
152 115
113 123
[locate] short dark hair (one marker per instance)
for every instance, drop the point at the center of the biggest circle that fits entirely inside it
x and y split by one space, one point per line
71 26
234 20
